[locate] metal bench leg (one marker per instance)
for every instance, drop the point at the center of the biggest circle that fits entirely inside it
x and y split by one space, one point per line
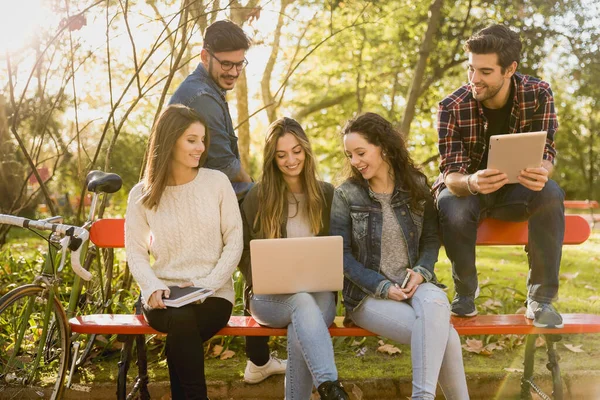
124 366
553 358
526 381
142 362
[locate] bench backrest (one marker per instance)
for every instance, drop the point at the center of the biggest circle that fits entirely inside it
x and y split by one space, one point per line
492 232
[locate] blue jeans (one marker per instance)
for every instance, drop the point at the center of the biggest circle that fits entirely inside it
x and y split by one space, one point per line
310 352
423 322
460 216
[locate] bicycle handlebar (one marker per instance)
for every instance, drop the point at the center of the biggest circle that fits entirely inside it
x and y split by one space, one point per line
63 229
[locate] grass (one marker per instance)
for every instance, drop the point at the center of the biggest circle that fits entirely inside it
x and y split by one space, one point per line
502 275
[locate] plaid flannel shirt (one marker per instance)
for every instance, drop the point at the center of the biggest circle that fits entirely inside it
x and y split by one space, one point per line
462 125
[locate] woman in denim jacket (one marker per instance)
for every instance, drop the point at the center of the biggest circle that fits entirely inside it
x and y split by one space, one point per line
289 201
385 213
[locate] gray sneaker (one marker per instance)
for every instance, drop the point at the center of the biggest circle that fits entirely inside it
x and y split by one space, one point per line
544 315
463 306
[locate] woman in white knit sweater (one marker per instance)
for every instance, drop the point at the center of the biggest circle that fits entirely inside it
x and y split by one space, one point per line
188 219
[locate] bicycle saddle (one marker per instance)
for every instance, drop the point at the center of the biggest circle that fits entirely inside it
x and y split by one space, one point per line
103 182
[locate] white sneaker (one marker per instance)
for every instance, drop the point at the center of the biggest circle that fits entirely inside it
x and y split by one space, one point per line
255 374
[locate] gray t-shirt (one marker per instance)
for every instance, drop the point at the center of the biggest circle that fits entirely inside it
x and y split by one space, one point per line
297 222
394 254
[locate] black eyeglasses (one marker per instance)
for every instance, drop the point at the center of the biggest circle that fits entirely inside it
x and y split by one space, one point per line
228 65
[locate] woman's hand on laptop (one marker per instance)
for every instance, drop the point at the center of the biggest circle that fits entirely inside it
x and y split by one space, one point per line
487 181
534 178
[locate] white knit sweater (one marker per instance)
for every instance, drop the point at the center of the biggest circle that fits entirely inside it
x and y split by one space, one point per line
196 236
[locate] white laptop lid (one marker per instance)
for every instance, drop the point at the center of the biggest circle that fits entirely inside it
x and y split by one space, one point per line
293 265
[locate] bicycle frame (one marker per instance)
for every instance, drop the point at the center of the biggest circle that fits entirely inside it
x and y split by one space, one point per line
49 277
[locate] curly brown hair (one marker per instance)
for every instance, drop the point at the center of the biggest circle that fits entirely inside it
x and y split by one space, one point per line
380 132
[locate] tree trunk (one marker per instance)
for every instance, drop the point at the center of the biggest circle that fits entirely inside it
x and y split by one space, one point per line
435 14
243 130
239 15
265 83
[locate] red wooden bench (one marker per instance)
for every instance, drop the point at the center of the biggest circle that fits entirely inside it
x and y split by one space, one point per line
110 233
590 205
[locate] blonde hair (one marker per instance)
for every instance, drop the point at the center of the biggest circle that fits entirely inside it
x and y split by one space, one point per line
171 124
273 190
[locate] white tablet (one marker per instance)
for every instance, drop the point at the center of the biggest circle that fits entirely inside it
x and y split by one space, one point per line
512 153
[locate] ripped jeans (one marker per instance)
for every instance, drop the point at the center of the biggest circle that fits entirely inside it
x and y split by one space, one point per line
424 322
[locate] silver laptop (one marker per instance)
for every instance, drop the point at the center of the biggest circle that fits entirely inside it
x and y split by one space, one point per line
293 265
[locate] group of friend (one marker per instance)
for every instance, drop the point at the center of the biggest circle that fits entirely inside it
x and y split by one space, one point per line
196 211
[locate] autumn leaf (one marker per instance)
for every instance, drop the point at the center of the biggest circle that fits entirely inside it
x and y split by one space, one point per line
473 346
216 350
388 348
492 304
166 397
569 277
518 370
573 348
357 392
540 342
227 354
74 23
254 15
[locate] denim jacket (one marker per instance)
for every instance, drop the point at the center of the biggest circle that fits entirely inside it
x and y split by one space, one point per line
356 216
200 92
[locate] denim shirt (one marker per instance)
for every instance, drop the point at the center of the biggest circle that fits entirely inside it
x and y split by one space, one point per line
356 216
200 92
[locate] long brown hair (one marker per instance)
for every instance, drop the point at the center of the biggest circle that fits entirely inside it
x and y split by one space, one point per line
380 132
171 124
273 190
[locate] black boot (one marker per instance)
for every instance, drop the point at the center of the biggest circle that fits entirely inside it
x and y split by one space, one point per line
332 391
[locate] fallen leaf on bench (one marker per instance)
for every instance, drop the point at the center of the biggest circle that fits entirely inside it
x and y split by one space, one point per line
227 354
568 276
216 350
514 370
573 348
388 348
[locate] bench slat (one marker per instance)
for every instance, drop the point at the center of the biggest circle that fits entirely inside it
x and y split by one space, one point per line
492 232
581 204
246 326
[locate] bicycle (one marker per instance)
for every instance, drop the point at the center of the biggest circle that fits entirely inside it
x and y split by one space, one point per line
35 339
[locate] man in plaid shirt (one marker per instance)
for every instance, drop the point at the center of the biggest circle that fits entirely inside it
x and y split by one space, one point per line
498 100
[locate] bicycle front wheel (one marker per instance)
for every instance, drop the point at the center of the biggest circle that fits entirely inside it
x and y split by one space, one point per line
22 327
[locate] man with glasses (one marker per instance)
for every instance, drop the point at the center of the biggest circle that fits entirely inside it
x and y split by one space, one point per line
223 58
204 90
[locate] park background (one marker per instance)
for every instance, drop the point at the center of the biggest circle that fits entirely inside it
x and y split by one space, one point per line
81 83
